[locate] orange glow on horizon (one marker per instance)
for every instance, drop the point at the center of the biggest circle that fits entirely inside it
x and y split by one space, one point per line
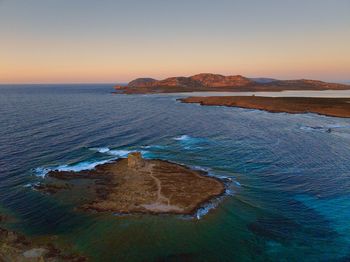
36 47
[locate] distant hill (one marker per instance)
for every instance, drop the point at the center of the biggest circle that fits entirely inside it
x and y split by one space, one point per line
263 80
216 82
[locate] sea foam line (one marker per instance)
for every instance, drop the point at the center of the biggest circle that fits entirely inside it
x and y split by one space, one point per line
87 165
183 138
116 152
229 181
84 165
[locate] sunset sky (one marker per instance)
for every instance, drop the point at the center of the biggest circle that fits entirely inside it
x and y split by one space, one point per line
66 41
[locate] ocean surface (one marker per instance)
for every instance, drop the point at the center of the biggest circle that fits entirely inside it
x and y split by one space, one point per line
289 199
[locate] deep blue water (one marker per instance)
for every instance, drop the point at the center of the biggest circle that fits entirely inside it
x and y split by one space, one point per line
289 200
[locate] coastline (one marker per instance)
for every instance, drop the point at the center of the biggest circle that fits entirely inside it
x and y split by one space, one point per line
166 90
334 107
15 246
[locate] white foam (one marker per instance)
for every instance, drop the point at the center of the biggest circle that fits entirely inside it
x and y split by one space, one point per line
200 168
210 173
31 185
154 147
189 143
41 171
182 138
85 165
102 149
120 153
116 152
201 212
229 192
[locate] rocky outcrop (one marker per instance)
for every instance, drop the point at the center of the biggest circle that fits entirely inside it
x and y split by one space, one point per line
16 247
137 185
216 82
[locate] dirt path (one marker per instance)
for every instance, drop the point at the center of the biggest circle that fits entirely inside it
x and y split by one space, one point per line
161 198
162 203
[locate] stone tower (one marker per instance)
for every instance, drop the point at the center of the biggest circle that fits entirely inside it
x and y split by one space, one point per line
135 160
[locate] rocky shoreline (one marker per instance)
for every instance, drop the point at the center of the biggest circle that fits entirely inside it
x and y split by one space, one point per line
335 107
136 185
17 247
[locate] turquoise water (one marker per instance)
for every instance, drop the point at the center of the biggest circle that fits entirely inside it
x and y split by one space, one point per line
289 199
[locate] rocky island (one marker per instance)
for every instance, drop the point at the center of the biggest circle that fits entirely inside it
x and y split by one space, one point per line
214 82
338 107
137 185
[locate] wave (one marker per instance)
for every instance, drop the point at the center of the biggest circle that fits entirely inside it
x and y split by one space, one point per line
206 208
190 139
209 172
189 142
201 212
116 152
80 166
183 138
237 183
154 147
200 168
229 191
86 165
101 149
31 185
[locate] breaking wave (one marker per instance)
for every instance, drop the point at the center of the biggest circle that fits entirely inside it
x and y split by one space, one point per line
84 165
183 138
116 152
189 142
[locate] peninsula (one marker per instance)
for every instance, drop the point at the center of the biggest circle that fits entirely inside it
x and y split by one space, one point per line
338 107
214 82
137 185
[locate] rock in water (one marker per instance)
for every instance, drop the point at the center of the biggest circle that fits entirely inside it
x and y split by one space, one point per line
137 185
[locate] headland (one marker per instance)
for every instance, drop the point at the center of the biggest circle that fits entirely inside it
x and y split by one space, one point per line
336 107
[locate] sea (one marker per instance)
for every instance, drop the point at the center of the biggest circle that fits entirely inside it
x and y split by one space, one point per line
288 196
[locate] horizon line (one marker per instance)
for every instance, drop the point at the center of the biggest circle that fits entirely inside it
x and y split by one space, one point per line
126 82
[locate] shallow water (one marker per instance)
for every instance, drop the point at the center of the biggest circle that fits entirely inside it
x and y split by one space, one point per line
290 192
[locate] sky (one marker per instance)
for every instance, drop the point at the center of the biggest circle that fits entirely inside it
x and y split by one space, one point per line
90 41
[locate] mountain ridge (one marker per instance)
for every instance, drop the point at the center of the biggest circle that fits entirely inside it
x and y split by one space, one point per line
217 82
